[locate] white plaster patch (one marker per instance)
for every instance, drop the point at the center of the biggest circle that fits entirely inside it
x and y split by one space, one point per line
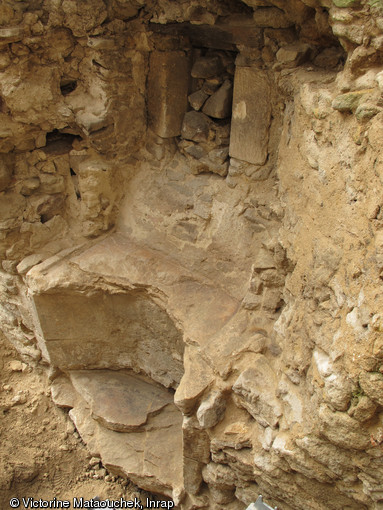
240 111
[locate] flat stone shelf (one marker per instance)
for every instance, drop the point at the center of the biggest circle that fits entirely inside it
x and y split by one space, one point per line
155 288
151 456
120 401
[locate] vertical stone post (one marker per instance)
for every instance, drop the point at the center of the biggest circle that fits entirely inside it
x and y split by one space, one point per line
251 116
168 85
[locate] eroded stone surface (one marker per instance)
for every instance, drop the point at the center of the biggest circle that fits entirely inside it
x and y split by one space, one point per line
251 116
119 401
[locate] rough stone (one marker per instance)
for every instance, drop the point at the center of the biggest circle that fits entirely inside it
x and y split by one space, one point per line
211 410
197 99
196 126
5 173
271 17
350 101
119 401
207 67
372 385
256 390
218 105
293 54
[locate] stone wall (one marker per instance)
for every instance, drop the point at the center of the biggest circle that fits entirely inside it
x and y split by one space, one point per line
191 239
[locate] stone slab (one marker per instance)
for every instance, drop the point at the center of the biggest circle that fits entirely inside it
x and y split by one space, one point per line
151 458
168 84
118 400
251 116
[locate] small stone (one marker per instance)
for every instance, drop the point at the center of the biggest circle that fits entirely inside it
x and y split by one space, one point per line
219 155
16 366
210 86
219 104
197 99
345 3
5 174
195 126
329 57
70 428
27 263
350 101
211 410
293 54
94 461
11 34
366 111
48 167
52 183
19 399
196 151
207 67
271 17
7 387
372 385
64 448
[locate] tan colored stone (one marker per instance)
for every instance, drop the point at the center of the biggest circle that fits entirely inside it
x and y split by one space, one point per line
167 92
271 17
218 105
63 392
120 401
256 391
150 458
251 116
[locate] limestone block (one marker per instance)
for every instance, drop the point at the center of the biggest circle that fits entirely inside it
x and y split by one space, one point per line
251 116
363 410
372 385
52 183
197 99
256 389
345 3
63 393
192 475
11 34
28 262
104 330
350 101
207 67
342 430
198 376
293 54
151 458
196 126
219 475
211 410
5 172
271 17
196 442
120 401
168 83
29 186
219 104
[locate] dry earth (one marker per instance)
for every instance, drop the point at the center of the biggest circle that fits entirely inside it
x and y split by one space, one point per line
41 454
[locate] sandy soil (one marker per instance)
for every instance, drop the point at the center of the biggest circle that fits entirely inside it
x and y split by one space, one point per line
41 454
